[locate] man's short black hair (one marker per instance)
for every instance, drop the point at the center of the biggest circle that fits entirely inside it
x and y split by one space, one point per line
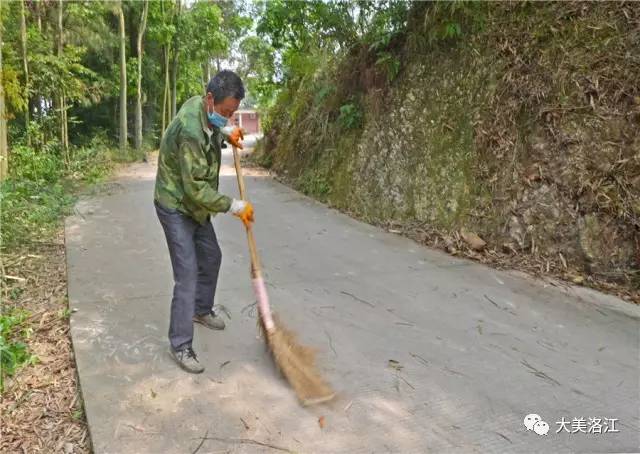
224 84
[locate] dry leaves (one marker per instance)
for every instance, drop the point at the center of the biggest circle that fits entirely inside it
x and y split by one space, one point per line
474 241
41 408
321 422
511 257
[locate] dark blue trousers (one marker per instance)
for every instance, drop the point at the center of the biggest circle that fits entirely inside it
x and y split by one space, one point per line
195 259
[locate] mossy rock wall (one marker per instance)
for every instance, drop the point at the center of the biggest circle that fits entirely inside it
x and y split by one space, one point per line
414 160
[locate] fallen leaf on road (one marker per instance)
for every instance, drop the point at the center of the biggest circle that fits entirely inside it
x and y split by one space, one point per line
136 428
321 422
449 245
474 241
577 279
562 259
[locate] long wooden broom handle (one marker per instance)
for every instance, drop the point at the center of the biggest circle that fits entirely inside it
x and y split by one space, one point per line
253 250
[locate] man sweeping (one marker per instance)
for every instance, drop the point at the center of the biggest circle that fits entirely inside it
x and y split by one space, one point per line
186 199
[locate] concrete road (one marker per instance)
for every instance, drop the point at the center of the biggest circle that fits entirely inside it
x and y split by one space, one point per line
428 353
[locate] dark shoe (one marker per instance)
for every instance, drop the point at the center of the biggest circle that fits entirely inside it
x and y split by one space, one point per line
211 321
187 360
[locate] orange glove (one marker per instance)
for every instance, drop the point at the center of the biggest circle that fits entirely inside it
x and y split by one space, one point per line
243 210
235 136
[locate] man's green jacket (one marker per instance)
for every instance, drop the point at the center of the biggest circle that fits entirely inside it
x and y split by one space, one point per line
189 164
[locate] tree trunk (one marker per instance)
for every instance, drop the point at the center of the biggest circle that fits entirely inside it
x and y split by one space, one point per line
143 25
39 15
174 64
123 83
34 105
25 68
174 82
167 83
4 149
165 94
206 75
64 137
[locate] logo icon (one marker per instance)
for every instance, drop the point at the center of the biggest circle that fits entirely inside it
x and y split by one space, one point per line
530 420
541 428
534 422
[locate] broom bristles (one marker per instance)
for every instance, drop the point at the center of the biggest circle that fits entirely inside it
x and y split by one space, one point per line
297 364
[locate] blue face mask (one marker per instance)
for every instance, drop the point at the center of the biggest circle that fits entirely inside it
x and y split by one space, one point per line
217 120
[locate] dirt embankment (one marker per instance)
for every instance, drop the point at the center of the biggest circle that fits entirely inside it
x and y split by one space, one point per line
524 131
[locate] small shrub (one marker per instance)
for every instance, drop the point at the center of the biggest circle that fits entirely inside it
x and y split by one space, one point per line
42 166
390 63
314 184
30 210
323 94
265 160
452 30
92 162
350 116
14 353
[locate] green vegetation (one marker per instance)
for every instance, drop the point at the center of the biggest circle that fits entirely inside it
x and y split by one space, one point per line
350 116
40 189
13 349
64 99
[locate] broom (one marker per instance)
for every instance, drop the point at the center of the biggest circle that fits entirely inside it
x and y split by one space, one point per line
295 361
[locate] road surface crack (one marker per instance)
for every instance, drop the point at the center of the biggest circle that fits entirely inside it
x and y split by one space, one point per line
358 299
539 373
